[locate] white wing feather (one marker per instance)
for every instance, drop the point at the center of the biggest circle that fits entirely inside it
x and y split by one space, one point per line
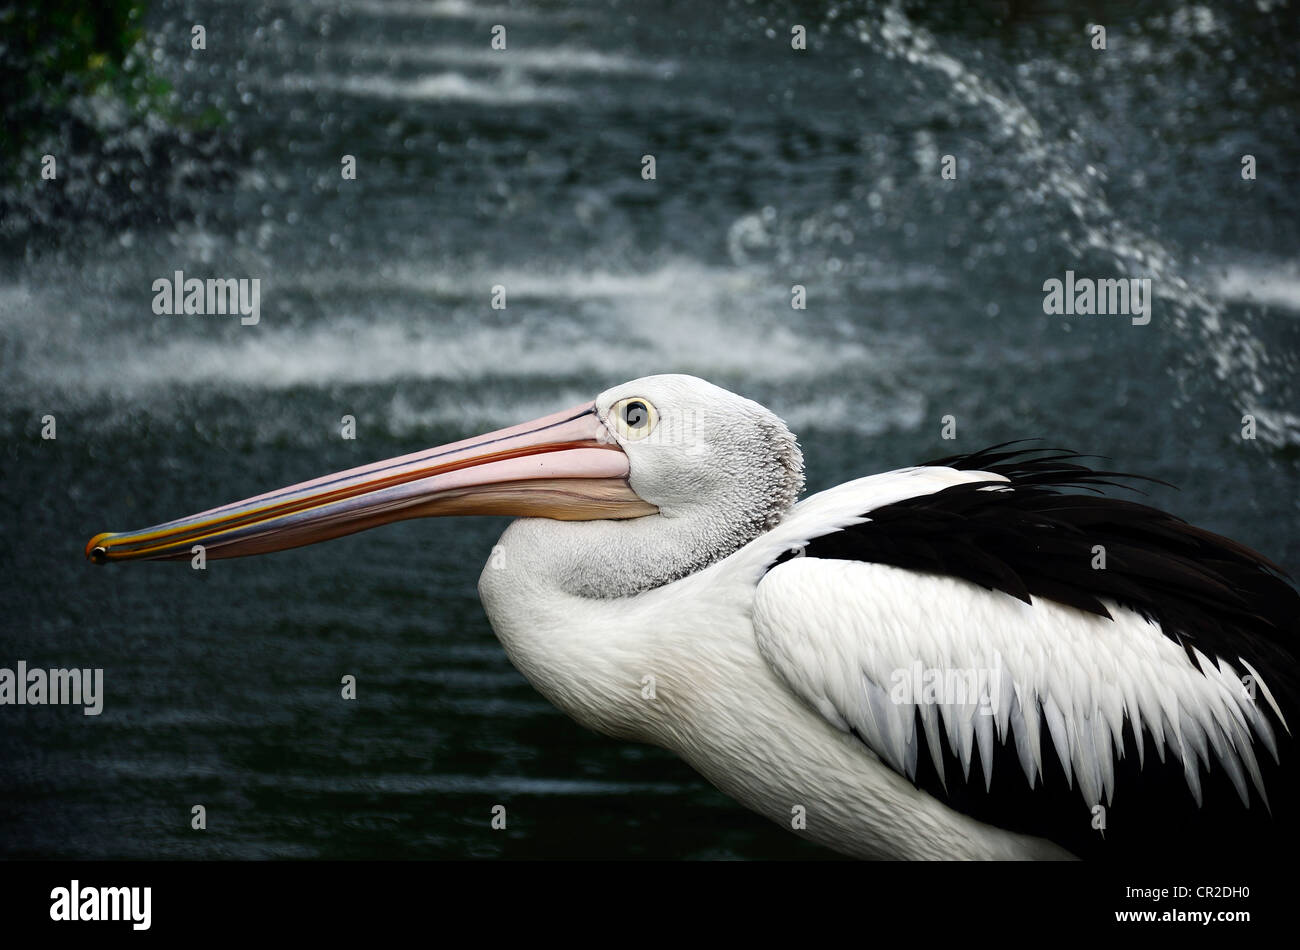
848 638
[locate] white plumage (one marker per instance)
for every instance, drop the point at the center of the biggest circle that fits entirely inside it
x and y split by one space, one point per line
663 598
839 632
730 645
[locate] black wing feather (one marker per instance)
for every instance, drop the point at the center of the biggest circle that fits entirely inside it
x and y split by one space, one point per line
1034 537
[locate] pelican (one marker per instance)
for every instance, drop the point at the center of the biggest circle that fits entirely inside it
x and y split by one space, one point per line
981 657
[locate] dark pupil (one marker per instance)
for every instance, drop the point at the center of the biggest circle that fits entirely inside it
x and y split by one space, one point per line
635 414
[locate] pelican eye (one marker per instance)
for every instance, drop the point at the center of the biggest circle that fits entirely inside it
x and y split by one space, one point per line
634 418
636 415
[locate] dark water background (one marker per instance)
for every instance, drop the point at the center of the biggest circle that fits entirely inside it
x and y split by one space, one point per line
522 168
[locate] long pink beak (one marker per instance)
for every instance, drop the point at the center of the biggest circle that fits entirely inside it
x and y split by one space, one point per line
563 466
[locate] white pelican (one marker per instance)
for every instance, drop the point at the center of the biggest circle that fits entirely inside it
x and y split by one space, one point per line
964 659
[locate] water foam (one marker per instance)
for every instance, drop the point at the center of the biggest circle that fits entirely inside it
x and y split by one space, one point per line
560 59
1231 348
441 87
561 325
1272 286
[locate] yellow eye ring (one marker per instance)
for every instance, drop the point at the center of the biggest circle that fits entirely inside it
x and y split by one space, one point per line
634 417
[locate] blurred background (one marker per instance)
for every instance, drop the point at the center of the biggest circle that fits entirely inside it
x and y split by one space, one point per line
522 167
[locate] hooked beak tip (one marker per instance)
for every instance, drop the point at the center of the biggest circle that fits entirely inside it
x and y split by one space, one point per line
96 552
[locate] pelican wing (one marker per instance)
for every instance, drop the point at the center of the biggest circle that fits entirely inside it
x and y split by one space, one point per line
970 637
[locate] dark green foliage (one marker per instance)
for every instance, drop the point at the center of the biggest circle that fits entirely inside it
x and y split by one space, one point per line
52 51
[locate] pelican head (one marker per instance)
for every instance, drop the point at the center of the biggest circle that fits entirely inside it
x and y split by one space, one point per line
709 467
